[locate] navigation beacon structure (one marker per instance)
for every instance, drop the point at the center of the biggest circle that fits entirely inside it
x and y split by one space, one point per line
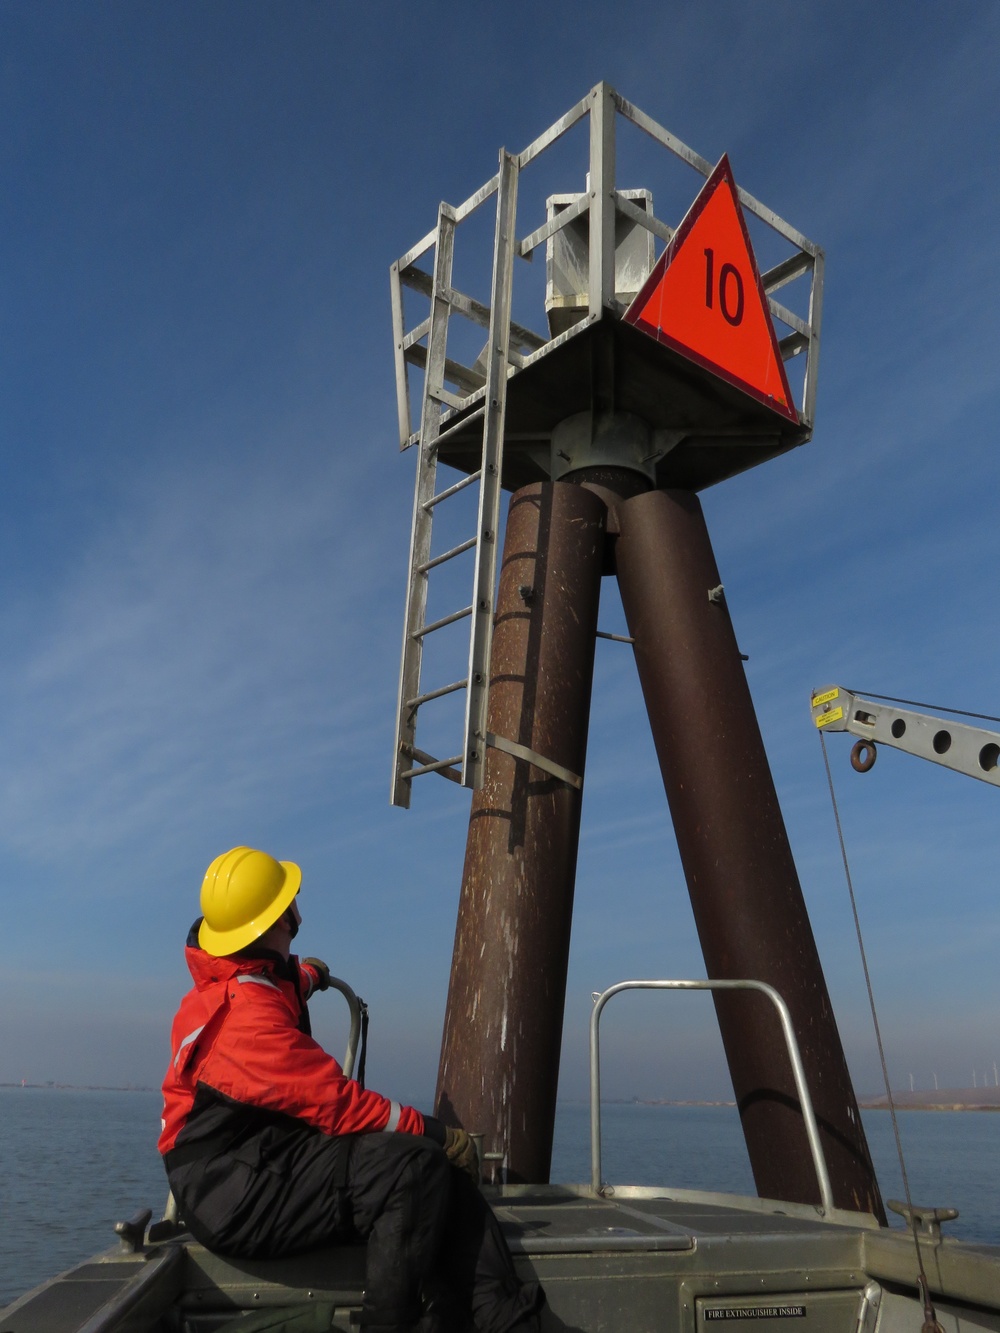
651 379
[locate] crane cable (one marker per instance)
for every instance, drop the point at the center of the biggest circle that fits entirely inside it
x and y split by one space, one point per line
931 1324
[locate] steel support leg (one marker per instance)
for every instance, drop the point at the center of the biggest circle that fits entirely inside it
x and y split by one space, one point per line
748 904
503 1024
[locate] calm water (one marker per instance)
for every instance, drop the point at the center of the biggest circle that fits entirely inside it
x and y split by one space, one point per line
73 1163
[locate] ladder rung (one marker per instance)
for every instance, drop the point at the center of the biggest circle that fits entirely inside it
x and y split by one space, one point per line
465 377
461 424
442 395
439 624
437 694
453 490
446 767
447 555
416 333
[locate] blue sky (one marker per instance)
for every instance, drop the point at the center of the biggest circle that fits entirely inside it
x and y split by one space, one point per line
205 517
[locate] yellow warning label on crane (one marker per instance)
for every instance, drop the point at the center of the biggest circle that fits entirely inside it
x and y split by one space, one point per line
834 715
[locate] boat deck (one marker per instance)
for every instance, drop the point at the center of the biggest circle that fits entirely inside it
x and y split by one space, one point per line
642 1261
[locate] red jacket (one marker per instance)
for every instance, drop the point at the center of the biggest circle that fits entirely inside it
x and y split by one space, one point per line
239 1033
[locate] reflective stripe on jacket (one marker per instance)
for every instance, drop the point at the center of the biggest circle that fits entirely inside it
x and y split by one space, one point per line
242 1033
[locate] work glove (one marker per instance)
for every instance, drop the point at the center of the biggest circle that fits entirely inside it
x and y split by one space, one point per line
322 973
461 1152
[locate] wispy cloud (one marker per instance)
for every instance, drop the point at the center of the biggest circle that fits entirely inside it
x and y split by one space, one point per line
223 640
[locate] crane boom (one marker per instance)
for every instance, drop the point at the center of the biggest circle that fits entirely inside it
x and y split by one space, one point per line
970 750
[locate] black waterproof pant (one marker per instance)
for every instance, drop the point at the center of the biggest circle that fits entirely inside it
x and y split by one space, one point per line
430 1233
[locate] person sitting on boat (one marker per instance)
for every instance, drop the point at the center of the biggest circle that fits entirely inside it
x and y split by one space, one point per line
270 1149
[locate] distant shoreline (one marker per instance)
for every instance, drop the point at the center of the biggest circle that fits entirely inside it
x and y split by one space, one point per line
944 1099
908 1104
79 1087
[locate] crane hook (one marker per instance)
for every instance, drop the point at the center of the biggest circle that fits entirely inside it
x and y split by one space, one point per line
863 756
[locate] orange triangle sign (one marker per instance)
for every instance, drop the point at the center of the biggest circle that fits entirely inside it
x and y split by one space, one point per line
704 298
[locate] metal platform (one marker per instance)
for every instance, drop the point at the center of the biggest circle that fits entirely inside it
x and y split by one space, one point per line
712 430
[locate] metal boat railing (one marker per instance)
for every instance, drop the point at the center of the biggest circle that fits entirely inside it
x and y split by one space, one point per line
794 1055
357 1007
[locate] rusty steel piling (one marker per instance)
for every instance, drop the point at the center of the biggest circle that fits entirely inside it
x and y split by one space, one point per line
503 1024
747 901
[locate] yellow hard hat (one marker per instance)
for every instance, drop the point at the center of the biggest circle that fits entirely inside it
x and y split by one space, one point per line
244 893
